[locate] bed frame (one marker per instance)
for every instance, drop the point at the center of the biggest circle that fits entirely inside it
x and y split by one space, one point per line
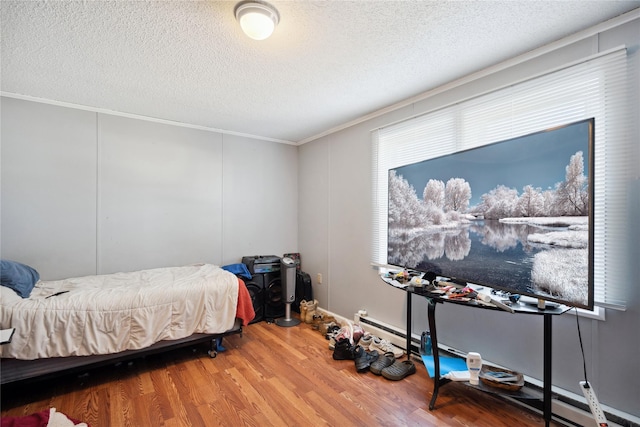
13 371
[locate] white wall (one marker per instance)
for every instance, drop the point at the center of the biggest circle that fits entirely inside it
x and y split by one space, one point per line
260 198
340 185
92 193
49 187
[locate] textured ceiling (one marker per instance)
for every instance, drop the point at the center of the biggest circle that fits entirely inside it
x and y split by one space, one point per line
328 62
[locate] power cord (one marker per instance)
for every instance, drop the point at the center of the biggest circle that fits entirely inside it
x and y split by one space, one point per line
587 390
584 362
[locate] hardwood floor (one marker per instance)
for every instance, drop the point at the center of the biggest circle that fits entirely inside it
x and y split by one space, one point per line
269 376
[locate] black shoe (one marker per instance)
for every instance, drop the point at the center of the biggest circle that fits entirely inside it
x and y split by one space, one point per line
364 358
344 350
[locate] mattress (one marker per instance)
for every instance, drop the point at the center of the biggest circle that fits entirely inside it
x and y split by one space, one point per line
116 312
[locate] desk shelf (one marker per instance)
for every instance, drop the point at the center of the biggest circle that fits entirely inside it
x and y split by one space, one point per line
525 393
434 299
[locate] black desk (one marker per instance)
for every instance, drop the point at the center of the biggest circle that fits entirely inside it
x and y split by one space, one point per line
434 299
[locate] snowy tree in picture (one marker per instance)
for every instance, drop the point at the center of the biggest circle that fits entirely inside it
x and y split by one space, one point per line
572 196
405 210
457 193
434 193
530 203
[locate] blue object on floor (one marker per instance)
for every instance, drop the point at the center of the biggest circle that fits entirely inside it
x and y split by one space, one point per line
219 347
447 364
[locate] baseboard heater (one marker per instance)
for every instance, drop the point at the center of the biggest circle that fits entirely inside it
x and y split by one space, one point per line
565 409
394 335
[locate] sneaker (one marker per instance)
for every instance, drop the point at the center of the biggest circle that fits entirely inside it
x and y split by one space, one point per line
363 359
325 327
332 331
383 361
366 341
331 336
384 346
399 370
343 350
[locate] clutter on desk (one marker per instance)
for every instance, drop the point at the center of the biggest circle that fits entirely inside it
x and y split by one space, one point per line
494 376
417 282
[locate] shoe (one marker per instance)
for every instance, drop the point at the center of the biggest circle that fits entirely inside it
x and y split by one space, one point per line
366 341
352 332
332 342
343 350
312 306
325 327
318 318
399 370
303 309
364 359
384 346
332 331
383 361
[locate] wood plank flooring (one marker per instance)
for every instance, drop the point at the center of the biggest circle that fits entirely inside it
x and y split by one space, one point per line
269 376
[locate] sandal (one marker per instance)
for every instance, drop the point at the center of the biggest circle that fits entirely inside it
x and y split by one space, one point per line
383 361
399 370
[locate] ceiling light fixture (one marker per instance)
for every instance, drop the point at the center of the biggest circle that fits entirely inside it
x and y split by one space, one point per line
257 19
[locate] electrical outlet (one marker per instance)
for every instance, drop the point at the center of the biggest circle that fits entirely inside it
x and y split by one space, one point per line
319 278
594 405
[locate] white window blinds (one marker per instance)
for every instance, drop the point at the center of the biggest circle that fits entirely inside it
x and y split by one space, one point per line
594 88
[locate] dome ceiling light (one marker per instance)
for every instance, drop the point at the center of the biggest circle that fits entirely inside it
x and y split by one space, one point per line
257 19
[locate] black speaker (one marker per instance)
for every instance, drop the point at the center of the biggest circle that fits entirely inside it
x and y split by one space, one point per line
256 288
274 306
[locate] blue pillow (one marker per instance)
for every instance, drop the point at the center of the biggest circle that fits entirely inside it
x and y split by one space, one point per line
19 277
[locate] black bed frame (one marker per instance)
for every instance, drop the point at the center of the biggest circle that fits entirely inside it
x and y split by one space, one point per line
13 371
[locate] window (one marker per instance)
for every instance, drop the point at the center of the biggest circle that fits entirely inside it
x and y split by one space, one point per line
593 88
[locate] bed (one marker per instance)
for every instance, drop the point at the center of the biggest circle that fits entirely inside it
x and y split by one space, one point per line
65 325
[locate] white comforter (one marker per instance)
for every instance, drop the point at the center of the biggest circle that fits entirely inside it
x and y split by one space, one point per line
116 312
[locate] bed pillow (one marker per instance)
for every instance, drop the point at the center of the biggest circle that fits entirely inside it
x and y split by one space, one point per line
19 277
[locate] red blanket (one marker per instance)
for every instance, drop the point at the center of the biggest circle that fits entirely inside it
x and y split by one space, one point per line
39 419
245 309
46 418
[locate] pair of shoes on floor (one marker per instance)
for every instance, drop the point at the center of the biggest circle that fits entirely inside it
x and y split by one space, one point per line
383 361
321 321
332 330
307 310
363 358
327 324
351 332
343 349
331 335
371 342
399 370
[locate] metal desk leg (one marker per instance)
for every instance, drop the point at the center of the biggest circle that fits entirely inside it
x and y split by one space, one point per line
437 381
547 370
408 325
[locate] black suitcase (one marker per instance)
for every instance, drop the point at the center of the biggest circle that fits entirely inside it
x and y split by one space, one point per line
304 290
